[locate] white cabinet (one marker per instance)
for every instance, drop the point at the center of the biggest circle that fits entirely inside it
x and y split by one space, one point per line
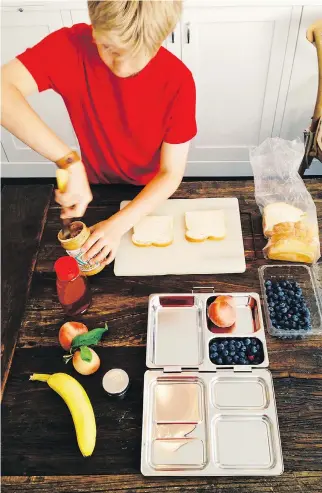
303 84
23 28
255 73
302 87
236 56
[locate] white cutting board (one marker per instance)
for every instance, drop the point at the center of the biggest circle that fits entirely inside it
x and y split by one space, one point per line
183 257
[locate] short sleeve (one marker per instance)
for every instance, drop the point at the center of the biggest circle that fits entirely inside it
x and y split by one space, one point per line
182 125
51 62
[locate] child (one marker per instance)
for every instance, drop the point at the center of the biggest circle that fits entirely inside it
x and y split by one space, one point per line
131 103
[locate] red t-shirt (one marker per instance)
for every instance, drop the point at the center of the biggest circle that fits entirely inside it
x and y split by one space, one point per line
120 123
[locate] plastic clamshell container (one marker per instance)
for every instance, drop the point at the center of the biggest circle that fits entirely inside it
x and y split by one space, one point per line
197 416
309 280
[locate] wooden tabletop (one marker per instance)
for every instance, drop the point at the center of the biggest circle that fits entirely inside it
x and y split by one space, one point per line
39 450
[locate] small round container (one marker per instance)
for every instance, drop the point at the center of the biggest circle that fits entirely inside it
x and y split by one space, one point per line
116 382
79 234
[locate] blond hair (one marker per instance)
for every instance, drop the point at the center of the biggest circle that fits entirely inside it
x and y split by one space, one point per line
138 24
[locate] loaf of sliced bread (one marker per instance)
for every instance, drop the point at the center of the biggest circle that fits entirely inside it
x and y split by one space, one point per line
279 212
153 231
203 225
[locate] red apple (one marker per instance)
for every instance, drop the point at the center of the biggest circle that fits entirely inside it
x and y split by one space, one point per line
68 331
222 312
85 367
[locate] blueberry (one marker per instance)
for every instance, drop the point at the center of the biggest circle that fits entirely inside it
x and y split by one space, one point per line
273 322
218 361
247 341
254 350
278 327
254 342
228 360
242 355
225 343
238 344
268 282
281 295
284 310
271 309
214 355
286 324
282 305
236 358
232 353
295 318
243 361
225 352
221 347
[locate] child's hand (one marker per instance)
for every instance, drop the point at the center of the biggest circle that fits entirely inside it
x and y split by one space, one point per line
78 195
103 242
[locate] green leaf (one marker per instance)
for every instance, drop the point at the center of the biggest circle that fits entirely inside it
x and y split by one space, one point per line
86 354
89 338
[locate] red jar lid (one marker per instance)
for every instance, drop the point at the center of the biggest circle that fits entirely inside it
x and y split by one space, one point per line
66 268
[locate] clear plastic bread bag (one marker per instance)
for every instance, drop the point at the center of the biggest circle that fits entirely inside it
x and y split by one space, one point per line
288 210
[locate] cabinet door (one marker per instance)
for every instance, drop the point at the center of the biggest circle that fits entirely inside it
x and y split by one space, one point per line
302 89
23 28
173 42
236 56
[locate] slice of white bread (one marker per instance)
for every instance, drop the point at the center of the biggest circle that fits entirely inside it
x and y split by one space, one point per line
279 212
153 231
203 225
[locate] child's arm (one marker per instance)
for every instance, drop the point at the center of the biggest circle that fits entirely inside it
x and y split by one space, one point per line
106 235
21 120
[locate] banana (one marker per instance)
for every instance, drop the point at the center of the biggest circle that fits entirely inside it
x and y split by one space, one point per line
79 405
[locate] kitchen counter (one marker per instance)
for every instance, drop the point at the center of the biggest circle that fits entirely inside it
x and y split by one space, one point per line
39 450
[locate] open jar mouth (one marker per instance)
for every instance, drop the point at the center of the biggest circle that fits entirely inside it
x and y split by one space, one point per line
76 228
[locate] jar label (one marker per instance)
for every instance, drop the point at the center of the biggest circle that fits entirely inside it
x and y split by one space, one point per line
84 265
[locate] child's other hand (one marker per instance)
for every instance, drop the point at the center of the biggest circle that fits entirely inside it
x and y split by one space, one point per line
103 242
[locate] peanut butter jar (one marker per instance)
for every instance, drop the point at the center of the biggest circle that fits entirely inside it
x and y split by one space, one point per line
79 233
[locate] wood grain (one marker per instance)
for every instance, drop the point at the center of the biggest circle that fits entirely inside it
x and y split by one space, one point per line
39 452
290 482
23 218
38 436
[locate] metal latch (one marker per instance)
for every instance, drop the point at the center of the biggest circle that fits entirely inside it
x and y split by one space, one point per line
207 289
243 369
172 369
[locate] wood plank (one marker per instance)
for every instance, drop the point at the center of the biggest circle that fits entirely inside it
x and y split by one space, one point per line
24 212
38 437
296 482
242 189
123 302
